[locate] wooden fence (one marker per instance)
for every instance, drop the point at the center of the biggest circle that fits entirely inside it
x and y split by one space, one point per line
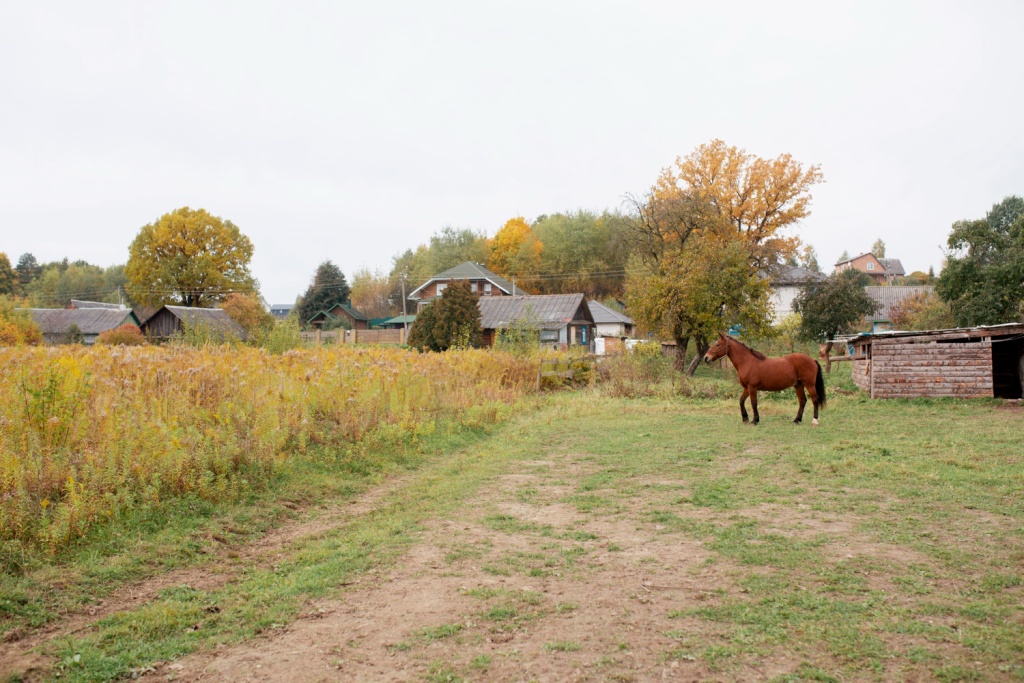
354 336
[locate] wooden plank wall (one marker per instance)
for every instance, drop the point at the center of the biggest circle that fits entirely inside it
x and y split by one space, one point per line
907 370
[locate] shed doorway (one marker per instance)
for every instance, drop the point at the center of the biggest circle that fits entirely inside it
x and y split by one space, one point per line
1007 367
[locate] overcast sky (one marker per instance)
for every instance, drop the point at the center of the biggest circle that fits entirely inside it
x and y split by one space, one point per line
354 131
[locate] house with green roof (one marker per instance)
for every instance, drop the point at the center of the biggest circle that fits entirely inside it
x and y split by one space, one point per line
481 281
354 319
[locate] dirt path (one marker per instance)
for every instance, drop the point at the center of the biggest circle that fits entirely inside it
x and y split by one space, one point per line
520 585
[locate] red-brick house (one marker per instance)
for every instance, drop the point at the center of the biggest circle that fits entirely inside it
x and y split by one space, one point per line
881 270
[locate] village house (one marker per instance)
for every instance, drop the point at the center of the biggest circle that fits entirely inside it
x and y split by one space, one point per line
563 320
169 321
353 318
881 270
610 323
62 325
281 311
786 285
481 281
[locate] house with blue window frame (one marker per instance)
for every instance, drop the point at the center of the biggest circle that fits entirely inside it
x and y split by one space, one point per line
562 320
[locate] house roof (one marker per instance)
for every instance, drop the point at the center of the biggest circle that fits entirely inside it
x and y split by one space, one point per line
281 307
604 314
215 318
794 275
849 260
470 271
893 265
356 315
546 312
399 320
88 320
887 297
77 303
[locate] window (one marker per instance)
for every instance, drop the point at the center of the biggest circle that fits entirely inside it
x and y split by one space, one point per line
441 286
549 335
583 335
871 265
487 288
472 286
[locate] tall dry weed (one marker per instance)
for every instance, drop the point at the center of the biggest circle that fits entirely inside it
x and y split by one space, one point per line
87 433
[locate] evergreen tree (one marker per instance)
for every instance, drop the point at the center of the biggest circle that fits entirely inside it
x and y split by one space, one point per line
28 269
421 334
457 318
327 289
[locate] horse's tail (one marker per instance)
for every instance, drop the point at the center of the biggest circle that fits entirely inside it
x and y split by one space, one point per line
819 386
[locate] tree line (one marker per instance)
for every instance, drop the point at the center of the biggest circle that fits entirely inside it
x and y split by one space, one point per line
690 256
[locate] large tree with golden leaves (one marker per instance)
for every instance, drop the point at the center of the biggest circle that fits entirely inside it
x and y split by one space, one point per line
189 257
759 198
515 249
690 277
718 211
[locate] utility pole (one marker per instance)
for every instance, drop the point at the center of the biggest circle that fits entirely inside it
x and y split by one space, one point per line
405 316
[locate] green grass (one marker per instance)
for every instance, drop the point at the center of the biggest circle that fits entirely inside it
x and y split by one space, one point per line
885 544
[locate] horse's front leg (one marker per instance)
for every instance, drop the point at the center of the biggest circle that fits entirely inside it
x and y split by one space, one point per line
743 408
753 404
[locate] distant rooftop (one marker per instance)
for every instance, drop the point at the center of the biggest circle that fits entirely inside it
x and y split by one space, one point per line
471 271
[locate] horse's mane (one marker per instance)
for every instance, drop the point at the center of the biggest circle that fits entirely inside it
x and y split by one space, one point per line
757 354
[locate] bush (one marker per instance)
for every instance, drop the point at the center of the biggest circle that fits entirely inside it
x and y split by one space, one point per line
922 312
125 335
16 326
636 373
283 336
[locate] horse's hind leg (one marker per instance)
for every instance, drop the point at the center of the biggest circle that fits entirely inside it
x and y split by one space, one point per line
753 404
814 402
801 397
743 408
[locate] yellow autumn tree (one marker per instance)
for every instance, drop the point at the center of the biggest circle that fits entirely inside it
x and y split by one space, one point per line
371 293
188 257
759 198
690 277
515 249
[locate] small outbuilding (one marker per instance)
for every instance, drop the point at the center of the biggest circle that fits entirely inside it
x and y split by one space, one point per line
169 321
962 363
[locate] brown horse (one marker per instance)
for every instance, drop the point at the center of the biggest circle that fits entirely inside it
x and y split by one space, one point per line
758 372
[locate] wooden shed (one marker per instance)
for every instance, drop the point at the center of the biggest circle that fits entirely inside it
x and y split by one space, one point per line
962 363
169 321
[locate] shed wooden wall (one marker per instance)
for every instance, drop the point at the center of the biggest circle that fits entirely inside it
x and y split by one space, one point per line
163 324
900 369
